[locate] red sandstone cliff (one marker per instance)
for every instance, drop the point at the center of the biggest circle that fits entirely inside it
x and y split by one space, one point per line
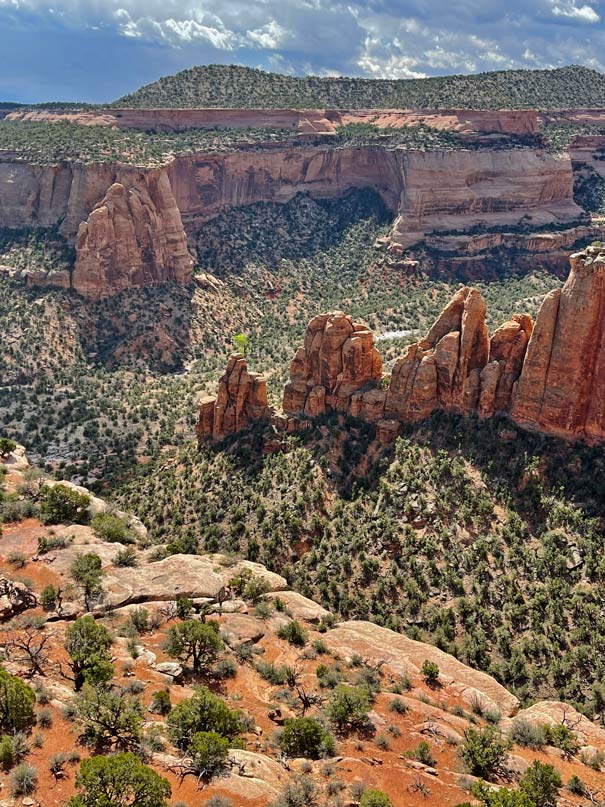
562 386
548 376
431 191
133 237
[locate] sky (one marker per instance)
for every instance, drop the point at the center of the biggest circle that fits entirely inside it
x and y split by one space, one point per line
98 50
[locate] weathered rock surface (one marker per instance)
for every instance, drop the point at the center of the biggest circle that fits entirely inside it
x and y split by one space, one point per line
432 191
241 401
337 360
301 608
405 656
194 576
240 628
443 371
460 189
554 712
133 237
561 389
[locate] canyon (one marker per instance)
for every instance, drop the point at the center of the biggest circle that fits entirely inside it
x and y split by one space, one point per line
547 375
431 193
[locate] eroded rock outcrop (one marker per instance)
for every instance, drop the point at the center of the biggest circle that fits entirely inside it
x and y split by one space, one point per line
561 389
337 360
133 237
241 400
443 371
548 376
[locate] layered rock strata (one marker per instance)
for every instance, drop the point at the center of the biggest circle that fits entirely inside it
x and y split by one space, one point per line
548 375
431 191
520 122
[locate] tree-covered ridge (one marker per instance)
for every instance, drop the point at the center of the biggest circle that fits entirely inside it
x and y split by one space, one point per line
232 86
49 143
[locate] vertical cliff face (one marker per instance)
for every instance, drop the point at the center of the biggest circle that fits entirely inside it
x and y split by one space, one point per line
241 401
562 386
204 184
338 359
456 190
133 237
430 191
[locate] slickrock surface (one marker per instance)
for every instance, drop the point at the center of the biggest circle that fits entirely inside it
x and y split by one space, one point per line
133 237
555 712
406 656
338 359
562 385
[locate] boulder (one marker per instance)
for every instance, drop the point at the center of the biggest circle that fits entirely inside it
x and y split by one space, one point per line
241 628
301 607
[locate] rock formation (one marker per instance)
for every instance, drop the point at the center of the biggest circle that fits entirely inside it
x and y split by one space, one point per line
561 389
241 401
338 359
518 121
133 237
548 376
429 191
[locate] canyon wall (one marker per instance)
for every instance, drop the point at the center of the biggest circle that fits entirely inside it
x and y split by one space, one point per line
548 375
432 191
124 222
437 190
457 190
204 184
323 121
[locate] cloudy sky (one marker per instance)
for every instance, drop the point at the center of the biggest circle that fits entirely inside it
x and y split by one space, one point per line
97 50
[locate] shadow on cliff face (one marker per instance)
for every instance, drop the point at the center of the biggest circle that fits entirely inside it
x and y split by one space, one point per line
147 328
268 232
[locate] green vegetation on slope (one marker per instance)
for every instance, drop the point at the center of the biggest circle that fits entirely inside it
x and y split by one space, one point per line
49 143
232 86
41 248
481 539
94 388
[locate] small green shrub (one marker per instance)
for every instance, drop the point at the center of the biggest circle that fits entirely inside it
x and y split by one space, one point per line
294 633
